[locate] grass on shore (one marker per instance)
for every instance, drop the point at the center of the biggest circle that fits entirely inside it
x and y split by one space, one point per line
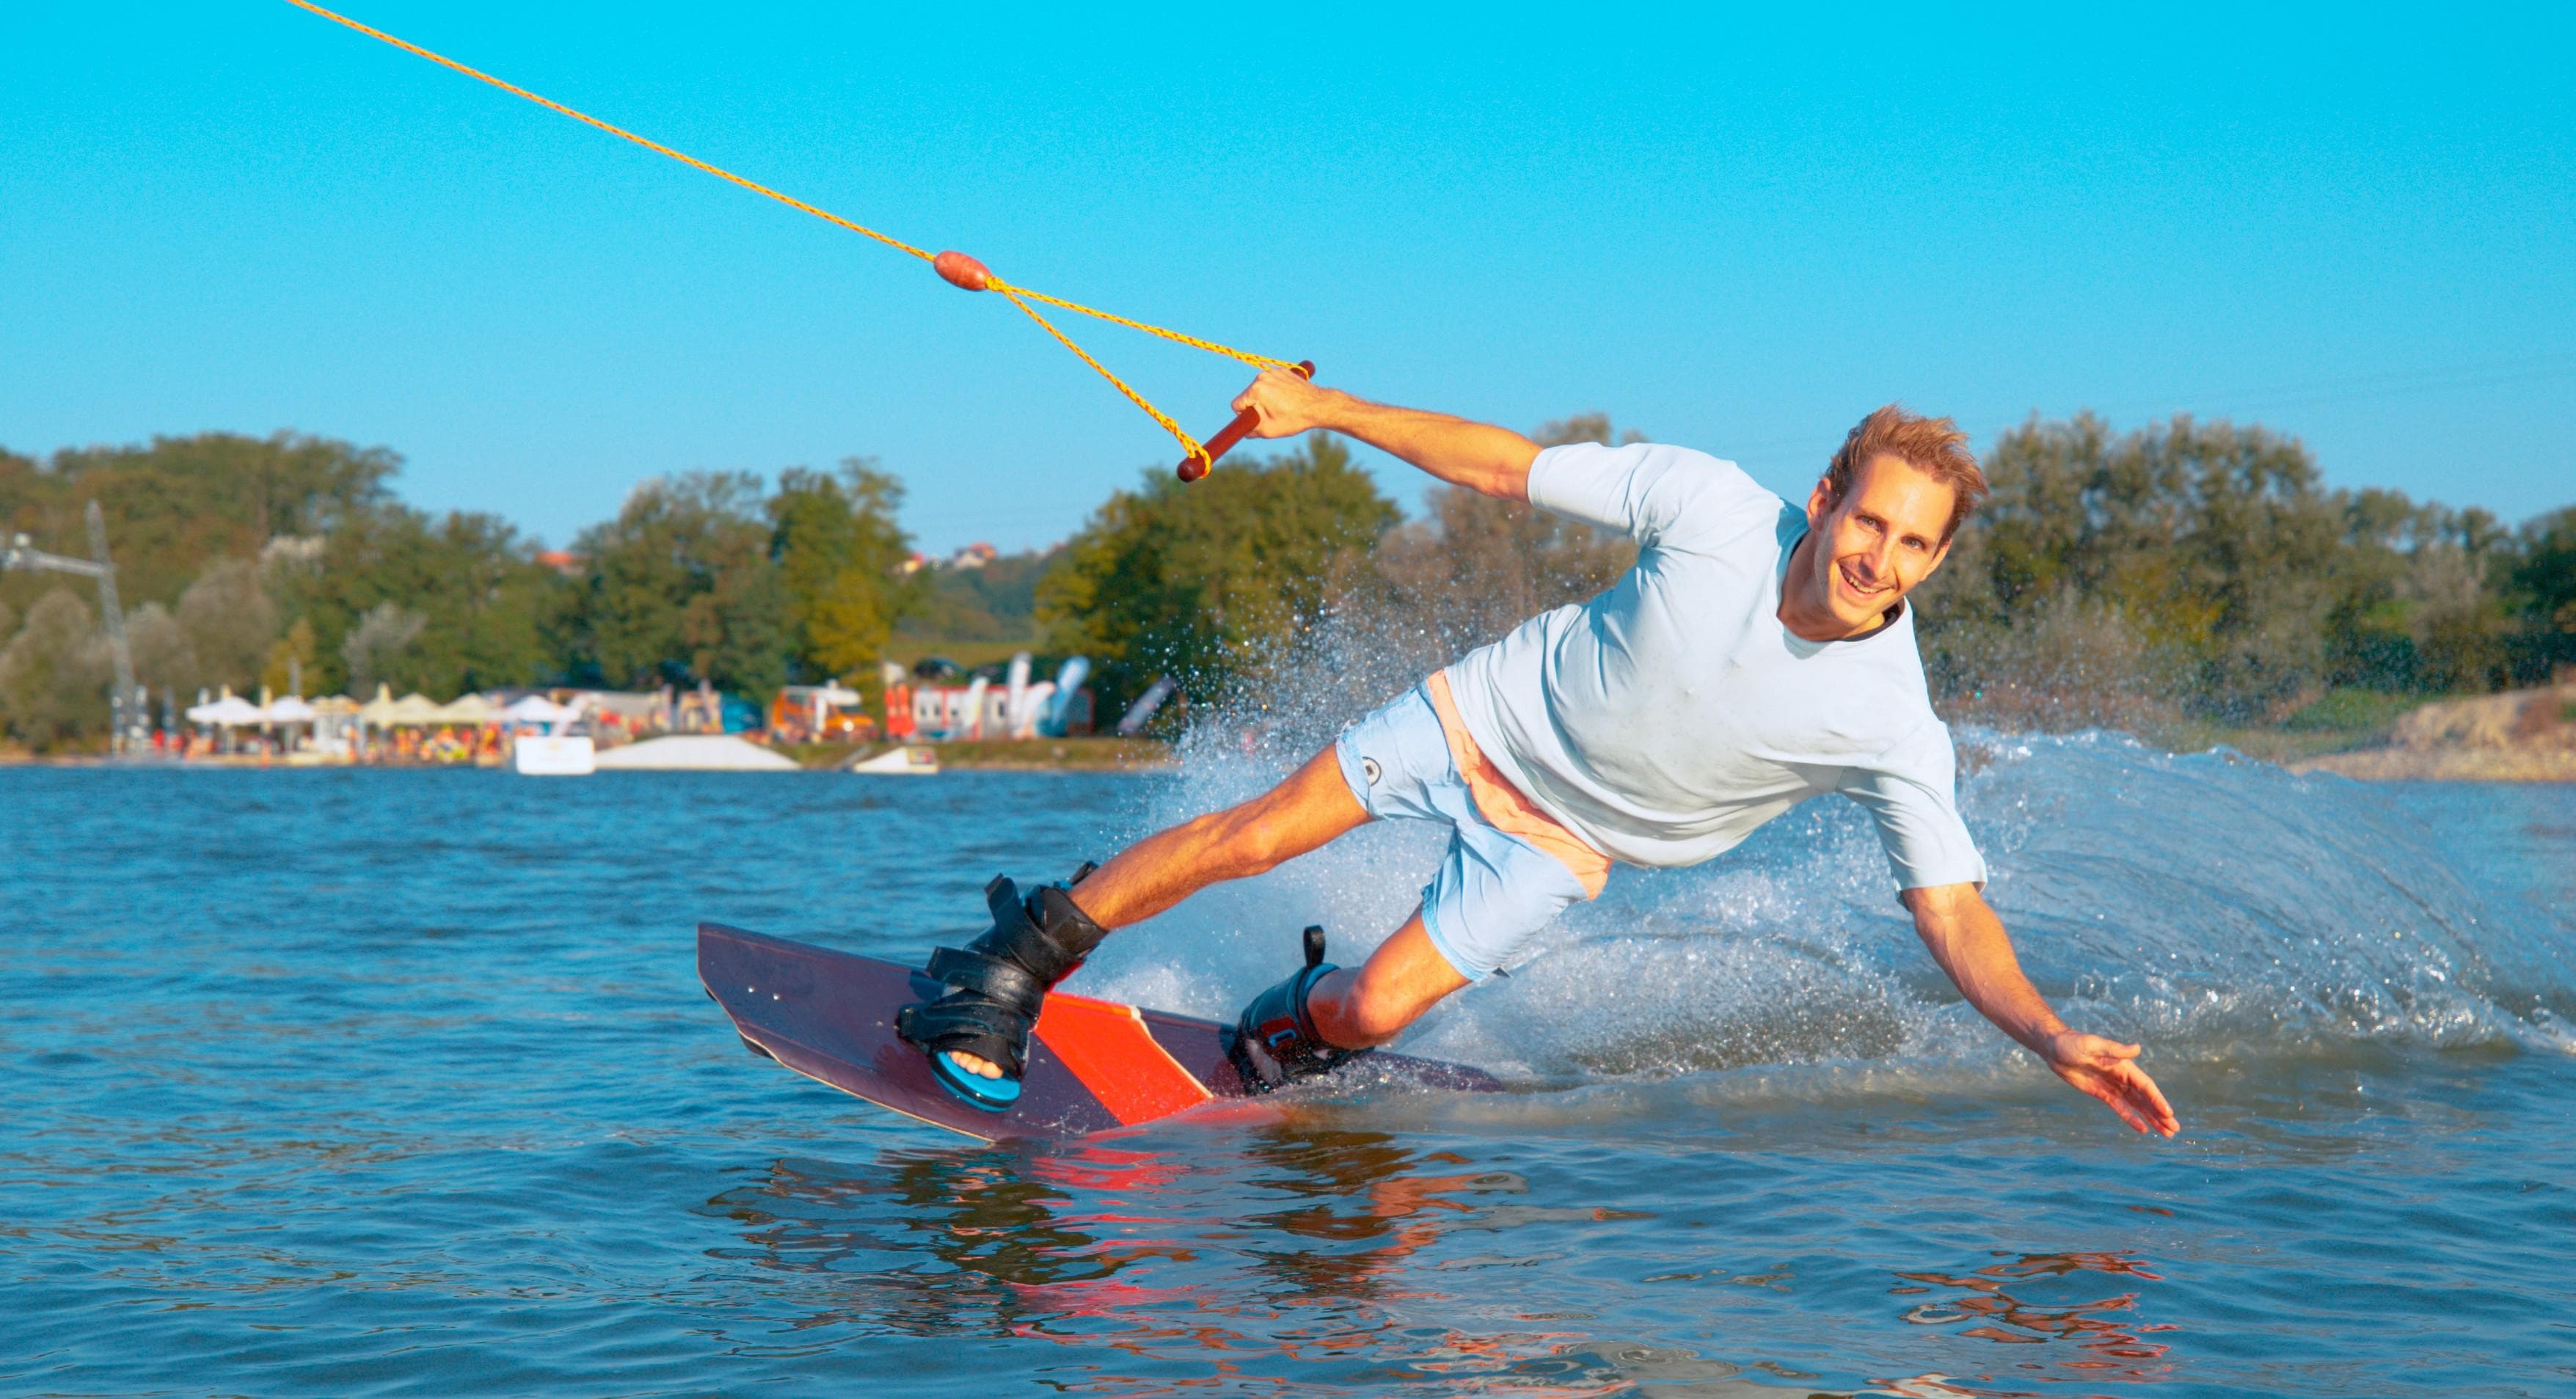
2338 721
1089 754
906 651
2272 743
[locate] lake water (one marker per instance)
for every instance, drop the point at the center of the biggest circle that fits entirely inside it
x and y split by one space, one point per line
340 1083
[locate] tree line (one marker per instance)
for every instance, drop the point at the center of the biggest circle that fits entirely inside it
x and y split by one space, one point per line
245 562
2181 570
2201 570
2183 573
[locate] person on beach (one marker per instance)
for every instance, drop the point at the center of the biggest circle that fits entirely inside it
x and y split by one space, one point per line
1756 655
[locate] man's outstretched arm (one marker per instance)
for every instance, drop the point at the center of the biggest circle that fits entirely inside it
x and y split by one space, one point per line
1494 461
1969 942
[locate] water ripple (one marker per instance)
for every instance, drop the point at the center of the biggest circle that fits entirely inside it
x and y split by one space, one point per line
401 1083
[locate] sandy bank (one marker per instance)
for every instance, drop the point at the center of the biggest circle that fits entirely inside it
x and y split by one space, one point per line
1056 755
2517 736
1089 753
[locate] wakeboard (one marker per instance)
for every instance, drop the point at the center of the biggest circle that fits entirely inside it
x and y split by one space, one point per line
1093 1065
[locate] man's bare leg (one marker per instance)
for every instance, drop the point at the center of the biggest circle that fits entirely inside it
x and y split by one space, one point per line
1309 809
1365 1008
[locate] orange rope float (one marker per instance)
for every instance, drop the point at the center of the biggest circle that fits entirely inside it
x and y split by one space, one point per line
957 268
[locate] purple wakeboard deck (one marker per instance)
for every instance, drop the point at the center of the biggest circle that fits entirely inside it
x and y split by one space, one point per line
1093 1065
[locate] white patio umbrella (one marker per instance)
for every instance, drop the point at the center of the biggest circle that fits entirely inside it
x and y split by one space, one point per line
289 709
537 709
229 712
413 708
468 708
379 711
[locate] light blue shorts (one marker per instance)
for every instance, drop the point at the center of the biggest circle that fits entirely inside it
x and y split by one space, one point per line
1494 890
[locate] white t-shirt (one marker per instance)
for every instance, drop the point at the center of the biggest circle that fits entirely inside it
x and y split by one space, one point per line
1667 718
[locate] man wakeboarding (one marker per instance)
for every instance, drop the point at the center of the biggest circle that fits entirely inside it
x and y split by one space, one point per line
1756 655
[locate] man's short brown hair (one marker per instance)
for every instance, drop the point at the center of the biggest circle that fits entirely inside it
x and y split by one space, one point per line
1934 446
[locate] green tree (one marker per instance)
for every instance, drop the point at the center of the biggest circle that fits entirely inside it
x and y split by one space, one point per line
1206 581
54 675
163 658
290 659
2203 569
2419 604
371 655
997 602
469 579
2543 589
229 622
187 515
1479 566
2205 559
839 552
682 587
1435 588
177 506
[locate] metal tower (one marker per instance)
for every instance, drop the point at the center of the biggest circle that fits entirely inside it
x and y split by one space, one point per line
126 703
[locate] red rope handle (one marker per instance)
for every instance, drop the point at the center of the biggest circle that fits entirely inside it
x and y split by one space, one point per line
1197 463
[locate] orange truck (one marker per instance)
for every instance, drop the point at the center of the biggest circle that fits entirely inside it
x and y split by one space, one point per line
820 714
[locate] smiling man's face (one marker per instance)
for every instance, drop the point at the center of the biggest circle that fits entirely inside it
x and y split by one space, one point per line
1872 546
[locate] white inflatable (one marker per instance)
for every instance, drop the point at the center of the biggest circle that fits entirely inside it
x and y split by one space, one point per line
1057 710
910 760
544 755
1019 713
694 753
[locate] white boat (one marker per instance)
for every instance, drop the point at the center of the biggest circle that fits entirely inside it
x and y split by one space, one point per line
547 755
910 760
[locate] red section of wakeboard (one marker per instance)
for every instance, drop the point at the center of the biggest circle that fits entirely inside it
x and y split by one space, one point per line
1107 1047
1093 1065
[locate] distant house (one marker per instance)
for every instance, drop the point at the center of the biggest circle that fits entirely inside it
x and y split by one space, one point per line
563 561
974 555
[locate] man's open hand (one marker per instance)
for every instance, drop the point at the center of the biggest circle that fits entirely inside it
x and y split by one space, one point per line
2108 1070
1286 402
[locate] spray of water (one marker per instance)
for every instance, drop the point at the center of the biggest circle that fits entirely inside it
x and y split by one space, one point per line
2216 907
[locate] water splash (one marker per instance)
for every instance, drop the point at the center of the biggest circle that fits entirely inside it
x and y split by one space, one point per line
2222 909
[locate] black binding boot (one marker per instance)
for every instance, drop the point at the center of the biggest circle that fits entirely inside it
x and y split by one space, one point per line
997 985
1275 1042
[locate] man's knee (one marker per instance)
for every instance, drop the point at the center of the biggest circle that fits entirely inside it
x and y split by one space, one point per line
1402 981
1377 1013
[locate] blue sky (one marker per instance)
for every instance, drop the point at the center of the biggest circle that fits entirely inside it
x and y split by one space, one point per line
1737 231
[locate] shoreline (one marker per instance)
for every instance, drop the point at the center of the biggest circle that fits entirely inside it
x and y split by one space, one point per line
2514 736
1084 754
2444 765
2518 736
1138 756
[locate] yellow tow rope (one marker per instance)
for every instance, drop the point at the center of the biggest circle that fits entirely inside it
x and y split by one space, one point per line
959 269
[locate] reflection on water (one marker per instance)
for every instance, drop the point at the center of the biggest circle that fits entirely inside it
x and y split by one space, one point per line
2104 1329
1282 1260
1358 1209
1067 1245
926 1243
1020 1233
